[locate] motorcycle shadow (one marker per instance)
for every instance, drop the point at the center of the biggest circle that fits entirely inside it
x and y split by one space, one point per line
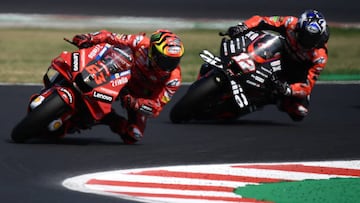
241 122
76 141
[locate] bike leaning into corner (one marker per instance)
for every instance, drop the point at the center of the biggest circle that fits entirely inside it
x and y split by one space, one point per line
78 92
241 80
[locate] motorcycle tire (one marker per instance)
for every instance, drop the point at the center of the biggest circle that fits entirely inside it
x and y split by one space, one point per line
195 99
35 123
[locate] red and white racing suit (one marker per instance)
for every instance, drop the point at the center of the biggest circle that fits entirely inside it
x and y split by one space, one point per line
152 89
302 67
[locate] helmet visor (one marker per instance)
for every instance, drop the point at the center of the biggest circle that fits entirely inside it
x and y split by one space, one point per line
163 62
308 40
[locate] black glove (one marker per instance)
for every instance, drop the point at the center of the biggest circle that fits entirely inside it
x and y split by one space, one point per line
235 31
82 40
283 88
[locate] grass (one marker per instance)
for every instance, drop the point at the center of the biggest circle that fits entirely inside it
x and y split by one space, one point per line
26 53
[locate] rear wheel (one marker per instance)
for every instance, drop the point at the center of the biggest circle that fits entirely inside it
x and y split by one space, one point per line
196 99
35 123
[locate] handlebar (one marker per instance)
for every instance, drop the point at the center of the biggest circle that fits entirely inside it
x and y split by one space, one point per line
224 33
71 42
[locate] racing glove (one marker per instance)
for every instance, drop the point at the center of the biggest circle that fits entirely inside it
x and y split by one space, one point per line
235 31
144 106
283 88
82 40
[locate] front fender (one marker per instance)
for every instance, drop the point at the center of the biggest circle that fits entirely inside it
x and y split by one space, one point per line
66 94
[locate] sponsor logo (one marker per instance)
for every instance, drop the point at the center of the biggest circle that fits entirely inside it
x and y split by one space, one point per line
239 95
173 83
55 125
313 28
75 61
119 81
174 50
37 101
102 97
320 60
252 35
67 95
137 40
93 53
166 97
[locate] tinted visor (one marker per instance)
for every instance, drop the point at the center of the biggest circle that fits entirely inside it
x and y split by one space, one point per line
308 40
165 63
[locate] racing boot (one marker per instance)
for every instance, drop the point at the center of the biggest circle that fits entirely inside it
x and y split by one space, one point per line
129 133
295 108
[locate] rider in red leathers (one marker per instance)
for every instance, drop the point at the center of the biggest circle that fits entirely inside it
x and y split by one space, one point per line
305 57
154 79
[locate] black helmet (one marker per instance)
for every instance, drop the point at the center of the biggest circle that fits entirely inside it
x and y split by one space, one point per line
312 30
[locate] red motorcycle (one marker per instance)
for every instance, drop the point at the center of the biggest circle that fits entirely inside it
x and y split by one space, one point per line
79 89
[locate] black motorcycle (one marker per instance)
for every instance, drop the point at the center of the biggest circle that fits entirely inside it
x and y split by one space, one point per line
239 81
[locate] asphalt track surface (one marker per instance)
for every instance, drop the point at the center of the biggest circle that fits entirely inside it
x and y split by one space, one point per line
34 172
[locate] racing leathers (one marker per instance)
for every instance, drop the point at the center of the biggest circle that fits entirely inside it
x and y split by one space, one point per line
146 93
302 67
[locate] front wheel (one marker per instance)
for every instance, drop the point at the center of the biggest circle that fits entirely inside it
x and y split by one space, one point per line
36 122
196 98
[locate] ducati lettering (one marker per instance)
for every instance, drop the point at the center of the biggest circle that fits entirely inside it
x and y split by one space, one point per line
75 61
102 97
93 53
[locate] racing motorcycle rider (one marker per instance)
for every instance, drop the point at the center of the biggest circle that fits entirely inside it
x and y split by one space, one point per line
305 55
154 79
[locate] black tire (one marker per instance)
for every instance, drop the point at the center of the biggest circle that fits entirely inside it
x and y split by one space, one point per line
35 122
196 98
